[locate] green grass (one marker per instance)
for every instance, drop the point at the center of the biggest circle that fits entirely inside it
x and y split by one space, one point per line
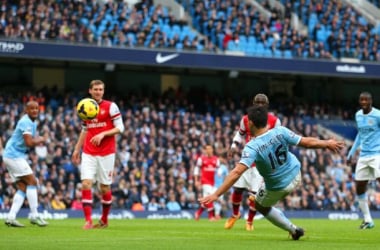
188 234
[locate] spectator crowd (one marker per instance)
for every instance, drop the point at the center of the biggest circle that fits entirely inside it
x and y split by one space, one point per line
157 152
327 29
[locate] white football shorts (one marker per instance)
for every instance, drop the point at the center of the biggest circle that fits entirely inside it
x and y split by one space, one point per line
268 198
97 168
250 180
17 168
367 168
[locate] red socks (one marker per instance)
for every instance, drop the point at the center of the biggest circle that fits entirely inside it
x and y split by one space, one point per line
251 211
87 204
106 206
210 210
237 197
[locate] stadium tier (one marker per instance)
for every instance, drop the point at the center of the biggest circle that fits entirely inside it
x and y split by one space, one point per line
309 30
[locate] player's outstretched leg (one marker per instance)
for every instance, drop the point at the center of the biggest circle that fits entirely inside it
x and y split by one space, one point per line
251 214
237 197
277 218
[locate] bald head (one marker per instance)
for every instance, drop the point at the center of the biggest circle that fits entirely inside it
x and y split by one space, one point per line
32 109
31 104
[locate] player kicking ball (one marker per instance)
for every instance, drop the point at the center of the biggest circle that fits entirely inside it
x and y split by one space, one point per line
280 168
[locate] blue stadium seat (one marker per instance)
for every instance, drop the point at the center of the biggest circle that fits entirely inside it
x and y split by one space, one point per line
288 54
179 46
267 53
166 29
176 29
277 53
252 40
131 36
232 46
200 47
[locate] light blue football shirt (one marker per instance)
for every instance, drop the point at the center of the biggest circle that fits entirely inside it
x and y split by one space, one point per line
220 174
15 147
270 152
368 132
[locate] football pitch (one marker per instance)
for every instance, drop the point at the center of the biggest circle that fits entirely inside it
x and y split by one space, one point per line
139 234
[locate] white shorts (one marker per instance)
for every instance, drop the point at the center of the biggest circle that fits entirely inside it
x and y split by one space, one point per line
207 189
250 180
367 168
267 198
97 168
17 168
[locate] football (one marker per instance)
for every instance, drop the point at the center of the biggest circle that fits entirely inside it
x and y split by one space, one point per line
87 109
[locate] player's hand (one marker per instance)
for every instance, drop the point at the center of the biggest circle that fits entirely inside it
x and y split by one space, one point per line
208 199
335 145
97 139
231 152
75 158
42 139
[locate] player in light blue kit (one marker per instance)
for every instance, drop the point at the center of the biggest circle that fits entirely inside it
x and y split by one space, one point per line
280 169
368 164
15 158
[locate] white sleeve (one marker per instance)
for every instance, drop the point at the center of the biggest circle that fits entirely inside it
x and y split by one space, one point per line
197 167
240 134
242 128
118 123
237 138
116 117
278 123
114 111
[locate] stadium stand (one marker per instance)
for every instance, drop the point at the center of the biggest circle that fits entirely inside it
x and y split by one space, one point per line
158 150
253 28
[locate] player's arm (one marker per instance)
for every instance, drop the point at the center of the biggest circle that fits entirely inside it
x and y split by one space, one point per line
78 146
197 172
116 120
354 147
31 141
118 127
231 178
312 142
238 138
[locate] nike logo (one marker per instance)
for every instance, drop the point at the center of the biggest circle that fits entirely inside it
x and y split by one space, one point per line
162 59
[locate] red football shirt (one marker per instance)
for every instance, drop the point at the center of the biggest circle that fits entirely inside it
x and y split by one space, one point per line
244 128
208 166
108 111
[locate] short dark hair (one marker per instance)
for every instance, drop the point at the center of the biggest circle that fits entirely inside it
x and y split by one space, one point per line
261 99
366 94
258 115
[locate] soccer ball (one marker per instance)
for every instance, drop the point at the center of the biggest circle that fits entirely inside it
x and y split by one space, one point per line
87 109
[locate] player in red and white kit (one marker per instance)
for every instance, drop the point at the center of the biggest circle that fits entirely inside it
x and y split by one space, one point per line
204 174
251 180
98 154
